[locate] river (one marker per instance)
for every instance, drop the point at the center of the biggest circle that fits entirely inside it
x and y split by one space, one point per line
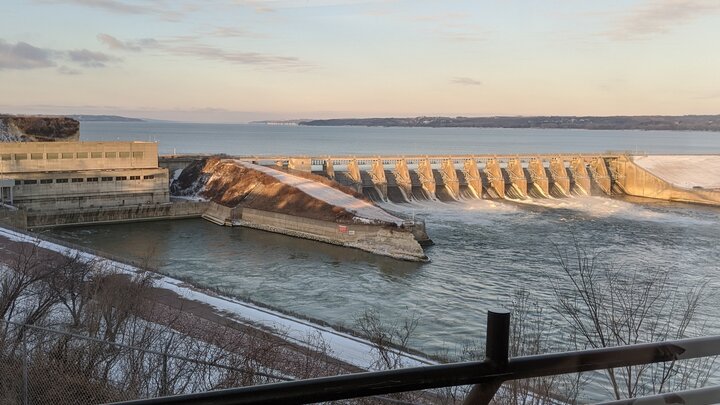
485 250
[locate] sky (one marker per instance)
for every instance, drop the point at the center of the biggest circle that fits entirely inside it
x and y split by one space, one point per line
242 60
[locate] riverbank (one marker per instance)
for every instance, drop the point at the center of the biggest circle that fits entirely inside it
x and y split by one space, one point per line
355 353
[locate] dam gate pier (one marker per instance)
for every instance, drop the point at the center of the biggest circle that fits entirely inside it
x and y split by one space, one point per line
402 179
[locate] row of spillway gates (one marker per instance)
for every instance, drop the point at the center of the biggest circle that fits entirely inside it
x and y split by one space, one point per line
449 178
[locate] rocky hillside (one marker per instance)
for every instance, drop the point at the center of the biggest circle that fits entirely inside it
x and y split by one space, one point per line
19 128
230 183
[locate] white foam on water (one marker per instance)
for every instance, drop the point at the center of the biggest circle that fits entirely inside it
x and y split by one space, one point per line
474 212
480 212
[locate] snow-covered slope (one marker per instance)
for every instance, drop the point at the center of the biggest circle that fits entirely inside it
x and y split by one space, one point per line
362 209
686 171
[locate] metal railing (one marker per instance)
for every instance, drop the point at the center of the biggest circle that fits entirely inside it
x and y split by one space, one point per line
486 375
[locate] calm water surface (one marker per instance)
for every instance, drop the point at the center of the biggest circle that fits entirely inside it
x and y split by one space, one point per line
300 140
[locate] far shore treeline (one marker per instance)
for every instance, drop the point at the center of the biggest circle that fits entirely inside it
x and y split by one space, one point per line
650 122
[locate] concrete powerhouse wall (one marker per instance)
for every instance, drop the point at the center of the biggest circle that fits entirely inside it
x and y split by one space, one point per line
116 214
91 189
73 175
24 157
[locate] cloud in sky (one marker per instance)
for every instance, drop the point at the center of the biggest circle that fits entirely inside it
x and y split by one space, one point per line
466 81
234 32
116 6
91 59
654 17
24 56
159 8
190 46
118 45
64 70
204 51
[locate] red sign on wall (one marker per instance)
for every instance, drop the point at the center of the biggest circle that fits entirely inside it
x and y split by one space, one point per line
342 229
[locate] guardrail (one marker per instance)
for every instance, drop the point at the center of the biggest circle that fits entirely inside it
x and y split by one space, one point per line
487 375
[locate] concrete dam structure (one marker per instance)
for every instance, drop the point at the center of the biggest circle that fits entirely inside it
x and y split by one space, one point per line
399 179
453 178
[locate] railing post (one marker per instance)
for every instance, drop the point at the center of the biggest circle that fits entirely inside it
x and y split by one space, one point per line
25 378
497 346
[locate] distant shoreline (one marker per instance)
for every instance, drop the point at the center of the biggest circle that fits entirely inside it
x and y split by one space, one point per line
710 123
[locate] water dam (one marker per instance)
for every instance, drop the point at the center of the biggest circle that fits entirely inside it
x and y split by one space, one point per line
402 179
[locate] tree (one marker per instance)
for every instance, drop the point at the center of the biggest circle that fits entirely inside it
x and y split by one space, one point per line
608 306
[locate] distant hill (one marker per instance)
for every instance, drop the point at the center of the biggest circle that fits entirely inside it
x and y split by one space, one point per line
114 118
275 122
650 122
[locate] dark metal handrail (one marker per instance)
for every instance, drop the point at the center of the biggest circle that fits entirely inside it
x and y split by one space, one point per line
487 374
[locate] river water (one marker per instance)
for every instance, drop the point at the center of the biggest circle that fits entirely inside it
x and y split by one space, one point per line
484 252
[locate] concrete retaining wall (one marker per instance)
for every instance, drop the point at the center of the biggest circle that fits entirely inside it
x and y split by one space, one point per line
189 209
13 217
636 181
400 244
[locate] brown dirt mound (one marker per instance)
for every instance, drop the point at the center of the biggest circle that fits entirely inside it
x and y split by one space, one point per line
232 185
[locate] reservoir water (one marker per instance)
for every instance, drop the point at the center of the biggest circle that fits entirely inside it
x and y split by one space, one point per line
484 252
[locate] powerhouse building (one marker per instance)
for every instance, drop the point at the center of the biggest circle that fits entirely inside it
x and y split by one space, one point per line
52 176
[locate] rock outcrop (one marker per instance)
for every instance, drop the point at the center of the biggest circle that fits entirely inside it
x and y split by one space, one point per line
21 128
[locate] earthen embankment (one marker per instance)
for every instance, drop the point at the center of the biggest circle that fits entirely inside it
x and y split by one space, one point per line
297 205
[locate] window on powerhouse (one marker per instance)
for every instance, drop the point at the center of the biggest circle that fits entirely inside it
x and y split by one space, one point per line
71 155
81 179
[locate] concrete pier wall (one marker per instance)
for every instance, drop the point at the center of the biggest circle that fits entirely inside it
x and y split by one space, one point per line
495 180
518 182
377 175
538 177
427 178
472 176
382 240
450 178
580 177
559 177
600 174
402 178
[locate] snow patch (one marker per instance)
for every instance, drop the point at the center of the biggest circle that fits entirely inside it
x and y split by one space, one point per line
330 195
684 171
